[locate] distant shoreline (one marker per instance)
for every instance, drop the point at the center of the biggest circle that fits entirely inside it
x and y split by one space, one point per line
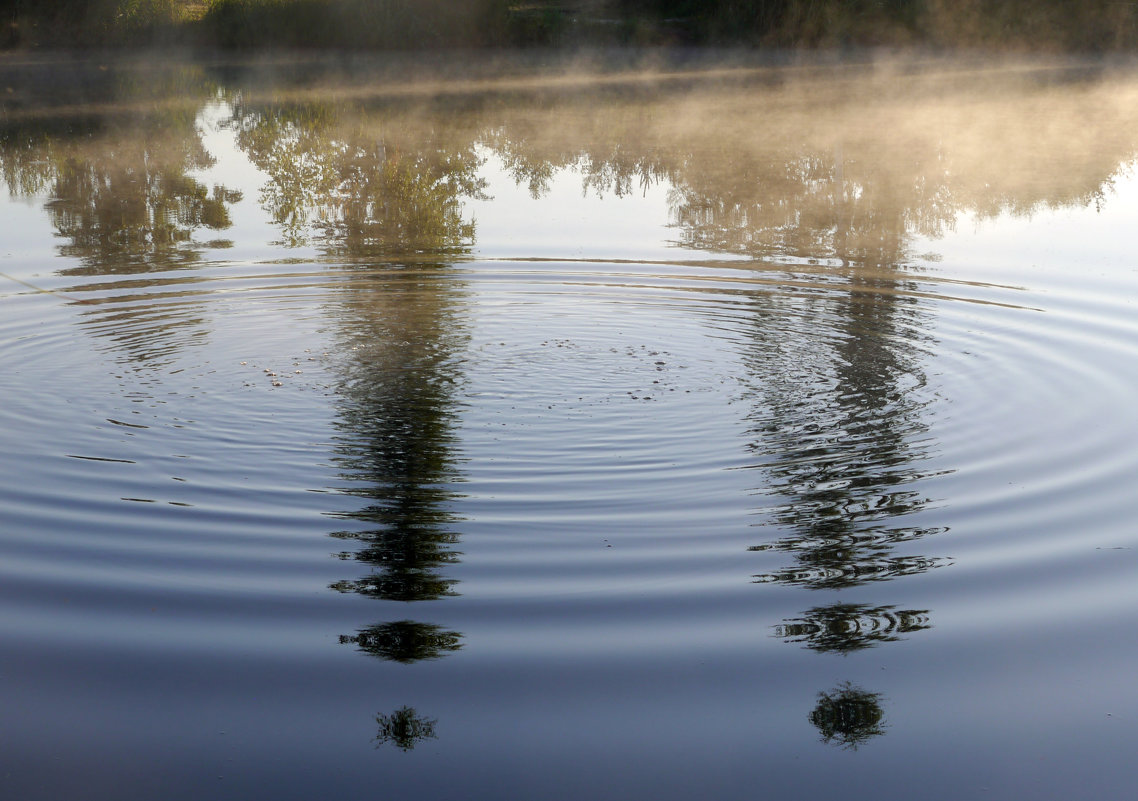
1019 26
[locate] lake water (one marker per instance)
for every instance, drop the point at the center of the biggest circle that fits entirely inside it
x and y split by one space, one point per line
721 431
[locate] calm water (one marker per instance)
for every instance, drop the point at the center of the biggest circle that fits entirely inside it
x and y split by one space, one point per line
733 433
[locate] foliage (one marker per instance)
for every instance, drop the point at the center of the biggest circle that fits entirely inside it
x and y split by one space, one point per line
93 22
389 24
1050 24
405 24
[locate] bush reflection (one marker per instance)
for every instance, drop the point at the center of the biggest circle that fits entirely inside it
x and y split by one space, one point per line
404 728
848 716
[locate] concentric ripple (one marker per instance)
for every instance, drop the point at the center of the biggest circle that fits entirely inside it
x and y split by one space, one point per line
585 467
563 429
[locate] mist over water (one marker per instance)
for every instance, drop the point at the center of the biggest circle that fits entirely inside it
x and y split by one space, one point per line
510 429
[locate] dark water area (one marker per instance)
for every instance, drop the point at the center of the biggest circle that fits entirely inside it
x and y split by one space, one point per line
716 432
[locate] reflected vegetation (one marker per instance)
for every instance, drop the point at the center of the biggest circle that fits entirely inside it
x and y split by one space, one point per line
405 641
361 187
137 210
402 337
116 168
848 716
795 168
404 728
794 175
365 196
116 172
845 628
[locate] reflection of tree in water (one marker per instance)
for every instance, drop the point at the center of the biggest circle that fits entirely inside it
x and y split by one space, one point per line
840 431
127 206
839 419
848 716
826 186
369 190
840 427
844 628
369 198
133 213
402 338
840 409
835 368
359 187
404 728
118 175
115 163
405 641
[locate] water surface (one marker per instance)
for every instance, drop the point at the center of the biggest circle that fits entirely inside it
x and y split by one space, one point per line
696 433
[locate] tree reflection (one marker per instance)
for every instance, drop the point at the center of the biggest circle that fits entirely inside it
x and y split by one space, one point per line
401 338
848 716
396 400
825 186
116 163
839 416
368 193
133 212
405 641
839 423
359 187
114 152
404 728
845 628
